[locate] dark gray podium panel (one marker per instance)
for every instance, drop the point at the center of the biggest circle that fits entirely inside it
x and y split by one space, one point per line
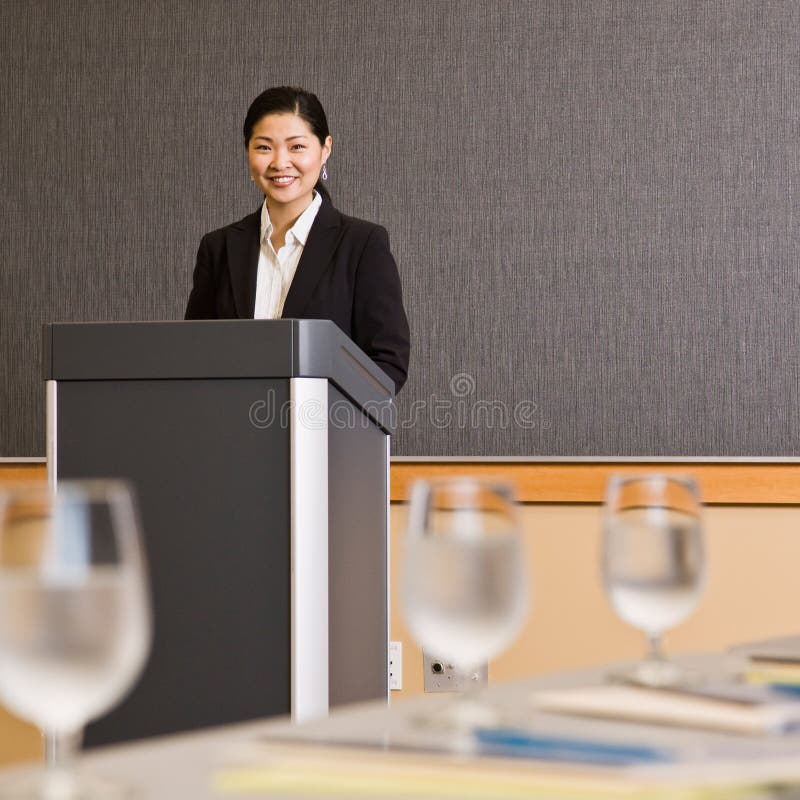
217 541
358 453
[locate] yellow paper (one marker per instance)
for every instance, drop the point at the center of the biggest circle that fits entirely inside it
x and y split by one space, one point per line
789 676
359 774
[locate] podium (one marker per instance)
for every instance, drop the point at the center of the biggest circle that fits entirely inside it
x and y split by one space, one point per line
259 451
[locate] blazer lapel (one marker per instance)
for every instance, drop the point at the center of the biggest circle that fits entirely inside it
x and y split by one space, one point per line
243 248
315 259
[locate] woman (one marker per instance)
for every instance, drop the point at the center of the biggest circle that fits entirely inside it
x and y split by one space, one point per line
297 256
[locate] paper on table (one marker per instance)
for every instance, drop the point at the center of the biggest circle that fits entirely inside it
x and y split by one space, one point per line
773 672
346 772
320 771
635 704
785 649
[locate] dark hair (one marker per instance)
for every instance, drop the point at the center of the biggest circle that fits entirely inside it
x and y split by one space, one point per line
289 100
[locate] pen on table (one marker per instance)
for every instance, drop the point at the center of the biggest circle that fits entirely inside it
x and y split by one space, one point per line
517 743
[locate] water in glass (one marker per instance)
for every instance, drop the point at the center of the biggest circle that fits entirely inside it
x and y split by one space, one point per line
465 595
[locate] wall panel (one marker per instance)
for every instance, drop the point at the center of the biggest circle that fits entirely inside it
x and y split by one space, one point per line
593 204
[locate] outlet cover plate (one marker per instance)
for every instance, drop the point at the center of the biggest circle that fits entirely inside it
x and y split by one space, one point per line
395 666
441 676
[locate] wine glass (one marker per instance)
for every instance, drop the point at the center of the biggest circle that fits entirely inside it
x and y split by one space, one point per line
75 621
653 561
465 584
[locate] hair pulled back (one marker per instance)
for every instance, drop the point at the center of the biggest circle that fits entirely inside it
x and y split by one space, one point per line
289 100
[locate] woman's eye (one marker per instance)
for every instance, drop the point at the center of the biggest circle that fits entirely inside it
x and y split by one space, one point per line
298 147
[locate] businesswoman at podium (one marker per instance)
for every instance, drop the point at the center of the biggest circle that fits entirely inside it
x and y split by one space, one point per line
297 256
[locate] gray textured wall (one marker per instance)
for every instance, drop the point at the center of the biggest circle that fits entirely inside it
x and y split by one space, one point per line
593 204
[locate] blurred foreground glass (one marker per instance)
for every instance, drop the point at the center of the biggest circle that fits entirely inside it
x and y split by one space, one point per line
465 585
75 621
653 561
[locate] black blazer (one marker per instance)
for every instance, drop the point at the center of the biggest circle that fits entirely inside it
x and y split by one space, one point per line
346 274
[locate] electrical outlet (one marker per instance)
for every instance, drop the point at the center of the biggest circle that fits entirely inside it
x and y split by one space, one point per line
395 666
443 677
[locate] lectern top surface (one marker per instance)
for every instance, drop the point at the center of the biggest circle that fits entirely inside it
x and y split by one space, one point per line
179 350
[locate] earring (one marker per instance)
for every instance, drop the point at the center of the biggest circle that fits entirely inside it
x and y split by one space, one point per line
324 172
252 179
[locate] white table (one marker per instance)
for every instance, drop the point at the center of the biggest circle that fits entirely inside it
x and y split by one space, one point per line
177 767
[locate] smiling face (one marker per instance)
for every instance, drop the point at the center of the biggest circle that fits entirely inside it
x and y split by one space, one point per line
285 159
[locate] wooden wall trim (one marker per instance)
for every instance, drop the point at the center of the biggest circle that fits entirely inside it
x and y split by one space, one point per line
22 471
564 482
570 482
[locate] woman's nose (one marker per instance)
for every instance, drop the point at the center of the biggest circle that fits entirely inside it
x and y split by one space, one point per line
280 158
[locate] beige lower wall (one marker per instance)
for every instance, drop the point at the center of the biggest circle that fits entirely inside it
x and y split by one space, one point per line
753 590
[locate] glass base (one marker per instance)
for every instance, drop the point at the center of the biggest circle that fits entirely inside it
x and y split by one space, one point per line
656 674
54 784
459 717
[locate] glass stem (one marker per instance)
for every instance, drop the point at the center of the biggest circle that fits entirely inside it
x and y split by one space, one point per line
60 749
656 651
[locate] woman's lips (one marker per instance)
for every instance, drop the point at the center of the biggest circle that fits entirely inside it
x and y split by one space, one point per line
283 180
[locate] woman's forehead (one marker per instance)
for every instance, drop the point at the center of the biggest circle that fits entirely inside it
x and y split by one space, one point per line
281 126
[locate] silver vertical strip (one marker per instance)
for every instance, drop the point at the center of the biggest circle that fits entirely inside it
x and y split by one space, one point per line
52 433
309 547
388 558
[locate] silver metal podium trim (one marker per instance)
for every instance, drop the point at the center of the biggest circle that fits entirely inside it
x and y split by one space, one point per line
308 429
388 560
51 403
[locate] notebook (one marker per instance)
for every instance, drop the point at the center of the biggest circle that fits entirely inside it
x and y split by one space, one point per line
707 708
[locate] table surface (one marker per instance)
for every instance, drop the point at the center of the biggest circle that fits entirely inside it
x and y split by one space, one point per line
184 766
